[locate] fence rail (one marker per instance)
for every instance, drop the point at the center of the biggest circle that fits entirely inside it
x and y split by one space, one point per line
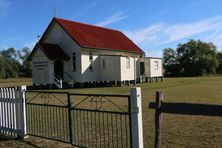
84 120
47 115
100 120
191 109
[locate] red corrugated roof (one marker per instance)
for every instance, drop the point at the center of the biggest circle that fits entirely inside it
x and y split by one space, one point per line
97 37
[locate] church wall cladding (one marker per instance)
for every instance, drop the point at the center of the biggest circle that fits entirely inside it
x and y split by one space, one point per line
57 35
42 68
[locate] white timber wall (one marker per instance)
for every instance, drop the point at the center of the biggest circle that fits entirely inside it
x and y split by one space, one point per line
127 71
42 68
87 74
116 66
12 111
156 67
111 71
57 35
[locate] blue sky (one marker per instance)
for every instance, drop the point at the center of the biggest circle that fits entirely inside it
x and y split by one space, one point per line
152 24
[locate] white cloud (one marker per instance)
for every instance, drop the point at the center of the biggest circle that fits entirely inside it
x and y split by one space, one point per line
147 38
114 18
161 13
216 39
193 4
86 9
161 34
181 31
148 34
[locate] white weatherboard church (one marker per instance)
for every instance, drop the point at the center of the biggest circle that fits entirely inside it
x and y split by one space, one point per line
76 53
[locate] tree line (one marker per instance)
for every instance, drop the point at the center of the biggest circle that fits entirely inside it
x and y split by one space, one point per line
194 58
13 63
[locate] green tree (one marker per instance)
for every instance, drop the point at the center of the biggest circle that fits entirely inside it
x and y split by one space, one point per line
193 58
170 62
26 69
2 69
10 53
10 66
219 58
197 58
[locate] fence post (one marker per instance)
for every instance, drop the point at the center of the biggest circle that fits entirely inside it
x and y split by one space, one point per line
158 119
23 128
136 118
70 118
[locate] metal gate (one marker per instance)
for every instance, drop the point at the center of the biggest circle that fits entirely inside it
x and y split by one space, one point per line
84 120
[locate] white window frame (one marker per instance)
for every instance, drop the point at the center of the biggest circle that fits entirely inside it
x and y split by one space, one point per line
103 63
156 65
128 62
91 67
90 57
74 61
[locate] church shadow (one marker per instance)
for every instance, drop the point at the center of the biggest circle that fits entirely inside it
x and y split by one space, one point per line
189 108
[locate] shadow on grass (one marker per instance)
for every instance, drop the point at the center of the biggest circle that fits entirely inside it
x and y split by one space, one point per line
190 108
30 144
6 138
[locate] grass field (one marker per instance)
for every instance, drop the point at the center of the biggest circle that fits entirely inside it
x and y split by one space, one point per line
178 130
15 82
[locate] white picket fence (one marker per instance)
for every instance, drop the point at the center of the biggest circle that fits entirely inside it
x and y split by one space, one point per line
12 111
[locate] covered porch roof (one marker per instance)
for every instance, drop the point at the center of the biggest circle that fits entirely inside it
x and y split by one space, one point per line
52 51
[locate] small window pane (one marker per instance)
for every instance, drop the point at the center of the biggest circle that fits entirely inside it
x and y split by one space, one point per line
74 61
128 62
103 64
156 65
90 56
91 67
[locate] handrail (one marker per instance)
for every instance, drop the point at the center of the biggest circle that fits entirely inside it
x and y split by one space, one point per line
58 81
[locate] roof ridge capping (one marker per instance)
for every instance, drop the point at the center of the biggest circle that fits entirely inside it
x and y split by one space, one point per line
57 18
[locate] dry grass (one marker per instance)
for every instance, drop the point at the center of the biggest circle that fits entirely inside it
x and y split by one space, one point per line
15 82
178 130
30 142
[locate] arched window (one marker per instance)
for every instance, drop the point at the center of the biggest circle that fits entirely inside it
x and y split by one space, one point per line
103 63
127 62
90 57
91 67
156 65
74 61
90 61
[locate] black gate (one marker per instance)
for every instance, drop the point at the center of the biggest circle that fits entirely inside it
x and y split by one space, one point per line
84 120
47 115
